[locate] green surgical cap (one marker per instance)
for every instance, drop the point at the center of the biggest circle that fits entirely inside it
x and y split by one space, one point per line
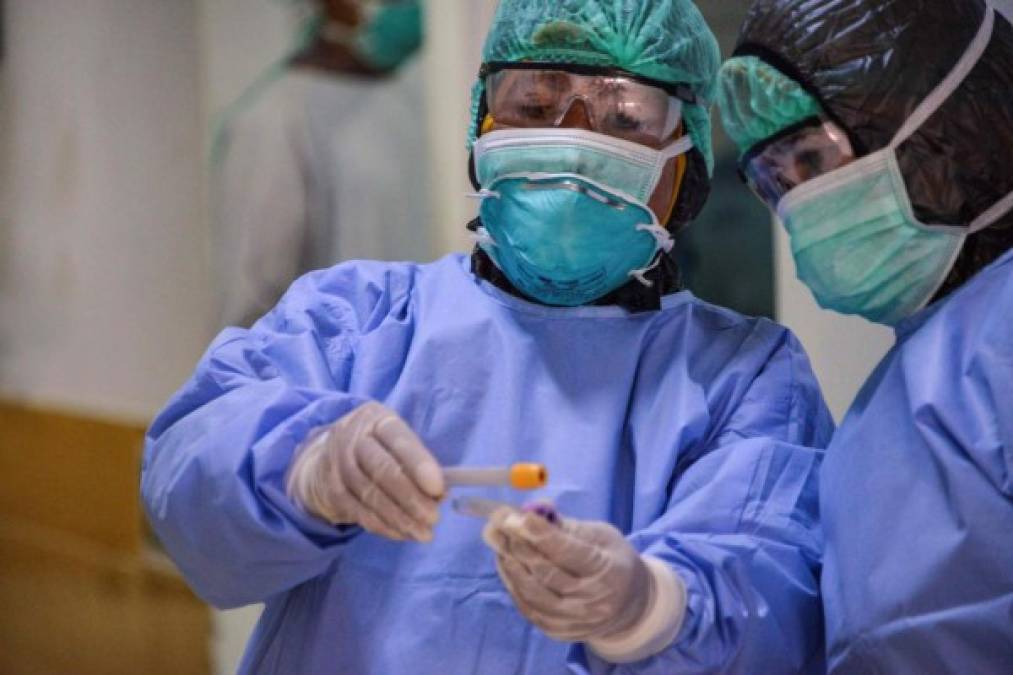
757 101
663 40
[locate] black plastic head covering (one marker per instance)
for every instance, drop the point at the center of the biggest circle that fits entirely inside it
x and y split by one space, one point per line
870 63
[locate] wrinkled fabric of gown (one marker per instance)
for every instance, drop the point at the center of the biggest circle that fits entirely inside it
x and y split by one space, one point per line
917 496
694 429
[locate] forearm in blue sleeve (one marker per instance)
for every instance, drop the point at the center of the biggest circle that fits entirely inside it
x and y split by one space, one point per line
215 459
213 488
746 544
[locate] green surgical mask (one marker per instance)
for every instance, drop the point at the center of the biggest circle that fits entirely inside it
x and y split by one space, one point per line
858 247
390 32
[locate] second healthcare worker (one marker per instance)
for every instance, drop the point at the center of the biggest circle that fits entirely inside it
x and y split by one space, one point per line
301 465
323 158
882 134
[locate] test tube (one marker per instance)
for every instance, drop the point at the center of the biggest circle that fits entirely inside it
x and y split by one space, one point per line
477 507
517 476
480 507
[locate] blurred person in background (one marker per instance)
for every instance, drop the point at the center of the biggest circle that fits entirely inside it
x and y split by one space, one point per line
882 135
323 158
301 464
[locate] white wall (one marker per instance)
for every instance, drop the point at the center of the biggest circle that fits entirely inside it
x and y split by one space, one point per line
105 290
451 67
239 40
102 274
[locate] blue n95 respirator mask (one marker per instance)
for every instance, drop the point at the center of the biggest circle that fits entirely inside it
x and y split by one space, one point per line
856 240
564 211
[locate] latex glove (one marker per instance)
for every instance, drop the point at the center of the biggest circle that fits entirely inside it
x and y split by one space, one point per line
369 469
582 581
575 580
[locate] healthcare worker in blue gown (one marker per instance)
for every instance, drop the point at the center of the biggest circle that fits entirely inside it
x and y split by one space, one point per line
882 135
301 464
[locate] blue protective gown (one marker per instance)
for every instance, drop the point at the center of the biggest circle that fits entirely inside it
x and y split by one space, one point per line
692 428
917 496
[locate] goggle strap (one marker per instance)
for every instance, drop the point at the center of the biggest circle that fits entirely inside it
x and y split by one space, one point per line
674 117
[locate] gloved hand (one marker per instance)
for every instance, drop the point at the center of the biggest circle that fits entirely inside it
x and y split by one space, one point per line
575 580
369 469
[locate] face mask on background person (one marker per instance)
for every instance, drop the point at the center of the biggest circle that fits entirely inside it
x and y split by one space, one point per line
387 34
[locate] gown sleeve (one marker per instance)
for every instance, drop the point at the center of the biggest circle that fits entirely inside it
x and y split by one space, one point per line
983 416
212 478
742 531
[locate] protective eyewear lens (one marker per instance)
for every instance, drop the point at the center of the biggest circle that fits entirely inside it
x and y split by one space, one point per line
618 106
798 154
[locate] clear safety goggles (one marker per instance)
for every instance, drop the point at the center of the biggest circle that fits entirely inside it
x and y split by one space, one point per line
800 153
618 106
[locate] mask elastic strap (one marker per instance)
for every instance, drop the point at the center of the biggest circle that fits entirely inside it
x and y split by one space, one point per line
992 214
482 237
945 89
641 274
944 275
505 138
983 221
662 237
674 149
482 194
679 147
